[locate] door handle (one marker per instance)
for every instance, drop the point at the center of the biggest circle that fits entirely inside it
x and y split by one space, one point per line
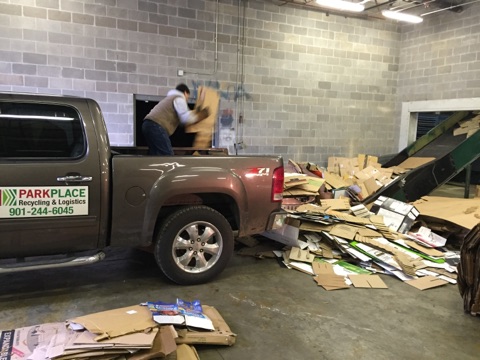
74 178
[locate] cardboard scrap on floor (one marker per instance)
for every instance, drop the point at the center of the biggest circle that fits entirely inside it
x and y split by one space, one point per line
128 333
367 281
339 248
427 282
326 222
326 277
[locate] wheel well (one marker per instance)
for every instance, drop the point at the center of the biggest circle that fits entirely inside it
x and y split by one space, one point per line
222 203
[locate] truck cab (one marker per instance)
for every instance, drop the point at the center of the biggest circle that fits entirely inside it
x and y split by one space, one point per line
52 182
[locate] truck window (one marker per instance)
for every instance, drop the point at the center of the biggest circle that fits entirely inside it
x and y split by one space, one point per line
29 130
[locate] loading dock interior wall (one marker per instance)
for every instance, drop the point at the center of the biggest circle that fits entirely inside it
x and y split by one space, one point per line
305 85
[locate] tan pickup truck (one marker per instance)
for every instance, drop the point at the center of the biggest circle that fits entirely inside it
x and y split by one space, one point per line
66 194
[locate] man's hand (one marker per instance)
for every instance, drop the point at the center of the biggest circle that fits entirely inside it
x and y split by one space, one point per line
203 114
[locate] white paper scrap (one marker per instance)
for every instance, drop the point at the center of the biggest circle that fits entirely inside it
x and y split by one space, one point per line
446 278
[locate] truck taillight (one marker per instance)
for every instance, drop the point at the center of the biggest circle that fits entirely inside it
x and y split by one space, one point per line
277 184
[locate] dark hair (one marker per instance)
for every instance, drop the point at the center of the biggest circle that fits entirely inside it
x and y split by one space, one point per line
183 88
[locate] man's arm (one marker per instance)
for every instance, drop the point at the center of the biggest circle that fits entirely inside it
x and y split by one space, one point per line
185 115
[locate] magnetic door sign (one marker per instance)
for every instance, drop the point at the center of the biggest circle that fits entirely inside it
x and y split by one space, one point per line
23 202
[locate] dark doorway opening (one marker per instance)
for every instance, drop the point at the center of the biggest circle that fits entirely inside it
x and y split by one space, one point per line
143 105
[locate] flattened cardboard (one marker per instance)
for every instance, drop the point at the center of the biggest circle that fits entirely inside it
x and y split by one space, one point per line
335 181
367 281
163 345
297 254
102 353
207 98
296 191
222 335
467 127
116 322
307 225
331 282
423 249
367 173
290 181
86 339
313 184
414 162
335 204
441 207
344 231
426 282
19 344
371 185
301 266
311 208
186 352
322 268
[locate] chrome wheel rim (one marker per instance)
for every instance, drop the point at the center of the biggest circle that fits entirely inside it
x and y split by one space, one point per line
197 247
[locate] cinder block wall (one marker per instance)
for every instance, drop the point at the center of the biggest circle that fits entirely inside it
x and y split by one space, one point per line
321 85
314 85
441 58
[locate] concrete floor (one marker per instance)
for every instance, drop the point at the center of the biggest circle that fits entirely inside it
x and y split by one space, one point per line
277 313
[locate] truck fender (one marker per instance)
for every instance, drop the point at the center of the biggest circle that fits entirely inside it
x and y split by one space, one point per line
193 181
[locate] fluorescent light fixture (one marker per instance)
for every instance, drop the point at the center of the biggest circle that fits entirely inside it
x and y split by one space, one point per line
341 5
395 15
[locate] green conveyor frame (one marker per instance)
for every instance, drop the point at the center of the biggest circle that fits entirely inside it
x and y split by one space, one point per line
451 154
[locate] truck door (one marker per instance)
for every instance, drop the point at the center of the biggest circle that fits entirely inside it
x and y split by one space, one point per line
50 178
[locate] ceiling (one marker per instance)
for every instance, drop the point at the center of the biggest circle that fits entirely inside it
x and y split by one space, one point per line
373 8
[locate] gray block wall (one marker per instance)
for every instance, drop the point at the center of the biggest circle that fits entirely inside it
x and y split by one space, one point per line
440 59
313 85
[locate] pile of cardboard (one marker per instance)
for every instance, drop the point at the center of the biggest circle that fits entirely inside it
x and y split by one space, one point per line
340 245
355 178
330 235
124 333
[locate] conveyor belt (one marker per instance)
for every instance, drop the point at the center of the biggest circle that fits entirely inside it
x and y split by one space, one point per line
452 154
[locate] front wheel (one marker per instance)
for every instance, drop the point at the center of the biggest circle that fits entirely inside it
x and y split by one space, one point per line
193 245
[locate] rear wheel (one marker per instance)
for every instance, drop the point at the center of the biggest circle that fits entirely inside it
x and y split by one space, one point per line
193 245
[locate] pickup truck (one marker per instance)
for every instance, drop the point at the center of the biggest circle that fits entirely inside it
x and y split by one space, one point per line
66 195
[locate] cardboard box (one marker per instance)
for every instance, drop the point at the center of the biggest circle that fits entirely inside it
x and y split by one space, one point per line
207 98
222 335
397 215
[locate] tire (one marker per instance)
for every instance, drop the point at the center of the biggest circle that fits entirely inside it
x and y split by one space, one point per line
194 245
